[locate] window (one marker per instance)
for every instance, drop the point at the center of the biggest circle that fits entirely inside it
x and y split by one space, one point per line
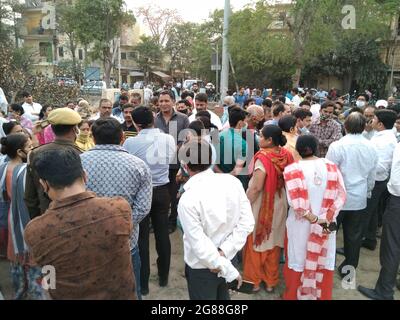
133 55
45 51
80 54
61 52
123 55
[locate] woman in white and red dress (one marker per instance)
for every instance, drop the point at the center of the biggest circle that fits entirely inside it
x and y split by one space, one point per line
316 194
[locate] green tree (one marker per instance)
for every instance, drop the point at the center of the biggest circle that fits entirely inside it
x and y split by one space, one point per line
99 24
150 54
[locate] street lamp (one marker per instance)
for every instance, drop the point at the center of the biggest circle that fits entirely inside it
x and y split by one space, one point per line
216 66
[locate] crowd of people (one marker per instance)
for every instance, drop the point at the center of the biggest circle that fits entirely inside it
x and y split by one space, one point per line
257 183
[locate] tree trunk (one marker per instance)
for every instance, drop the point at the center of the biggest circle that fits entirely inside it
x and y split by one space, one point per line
73 54
296 76
107 63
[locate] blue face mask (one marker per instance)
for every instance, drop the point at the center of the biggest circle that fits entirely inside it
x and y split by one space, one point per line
304 130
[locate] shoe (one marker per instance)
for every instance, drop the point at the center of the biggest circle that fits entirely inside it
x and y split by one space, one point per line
144 291
340 251
371 293
163 282
369 244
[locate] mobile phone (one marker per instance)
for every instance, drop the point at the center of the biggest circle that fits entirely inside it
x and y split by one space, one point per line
247 287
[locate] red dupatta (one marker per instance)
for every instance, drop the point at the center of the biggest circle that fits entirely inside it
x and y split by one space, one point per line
274 164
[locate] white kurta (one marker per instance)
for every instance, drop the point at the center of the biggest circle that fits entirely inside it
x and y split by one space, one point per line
298 230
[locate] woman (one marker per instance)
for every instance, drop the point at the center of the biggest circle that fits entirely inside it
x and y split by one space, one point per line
44 113
17 113
84 140
26 277
316 193
267 196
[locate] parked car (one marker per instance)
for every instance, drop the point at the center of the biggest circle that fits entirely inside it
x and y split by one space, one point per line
93 87
187 84
63 81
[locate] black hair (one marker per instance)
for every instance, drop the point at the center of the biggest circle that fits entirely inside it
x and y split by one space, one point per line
185 102
167 92
26 94
355 123
186 94
107 131
267 103
356 109
202 97
68 102
365 96
236 114
305 103
287 122
278 108
302 114
387 117
197 155
281 99
8 126
143 117
60 167
85 122
203 113
328 104
43 110
207 122
247 102
274 132
295 90
124 97
12 143
307 146
197 126
62 129
128 105
17 108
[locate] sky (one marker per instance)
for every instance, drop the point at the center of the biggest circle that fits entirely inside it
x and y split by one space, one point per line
189 10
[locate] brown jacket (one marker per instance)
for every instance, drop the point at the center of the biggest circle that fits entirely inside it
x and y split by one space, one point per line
36 200
86 239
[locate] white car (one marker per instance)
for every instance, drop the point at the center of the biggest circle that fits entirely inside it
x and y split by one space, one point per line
3 101
187 84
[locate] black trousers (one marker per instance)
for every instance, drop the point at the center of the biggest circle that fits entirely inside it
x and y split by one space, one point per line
371 222
390 249
353 223
159 219
173 192
205 285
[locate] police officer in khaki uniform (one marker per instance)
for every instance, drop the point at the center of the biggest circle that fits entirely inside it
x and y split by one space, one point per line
64 123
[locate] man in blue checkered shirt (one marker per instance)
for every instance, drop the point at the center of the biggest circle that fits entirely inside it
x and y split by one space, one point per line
112 171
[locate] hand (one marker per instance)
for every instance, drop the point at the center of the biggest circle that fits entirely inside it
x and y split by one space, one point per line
37 128
240 281
215 270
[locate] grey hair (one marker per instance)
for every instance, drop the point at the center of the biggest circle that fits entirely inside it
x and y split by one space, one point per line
355 123
229 101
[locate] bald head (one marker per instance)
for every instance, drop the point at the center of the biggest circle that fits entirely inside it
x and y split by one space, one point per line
229 101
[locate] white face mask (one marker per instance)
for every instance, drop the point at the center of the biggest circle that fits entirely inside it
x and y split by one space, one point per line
360 103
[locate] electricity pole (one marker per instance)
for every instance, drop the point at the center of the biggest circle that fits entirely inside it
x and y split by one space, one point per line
225 53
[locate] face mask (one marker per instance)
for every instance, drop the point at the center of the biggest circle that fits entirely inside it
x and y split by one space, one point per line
324 117
304 130
185 111
360 103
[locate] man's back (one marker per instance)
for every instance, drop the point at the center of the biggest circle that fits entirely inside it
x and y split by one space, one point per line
86 239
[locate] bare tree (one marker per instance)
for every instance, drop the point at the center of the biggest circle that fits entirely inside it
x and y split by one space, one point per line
159 20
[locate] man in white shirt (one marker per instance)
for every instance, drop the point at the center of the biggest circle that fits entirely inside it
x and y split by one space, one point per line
369 113
216 218
356 159
390 243
296 97
201 104
32 109
105 111
384 141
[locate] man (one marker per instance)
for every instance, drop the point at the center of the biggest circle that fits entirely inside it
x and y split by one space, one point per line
147 94
326 130
381 104
390 243
396 128
117 109
357 159
71 105
157 150
241 97
173 123
305 105
112 171
128 127
288 127
232 148
184 106
123 92
201 104
384 141
303 121
257 97
228 103
136 99
255 118
83 237
296 100
63 123
216 218
105 111
32 109
369 113
279 110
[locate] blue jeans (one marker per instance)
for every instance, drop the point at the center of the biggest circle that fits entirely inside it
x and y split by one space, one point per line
136 270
